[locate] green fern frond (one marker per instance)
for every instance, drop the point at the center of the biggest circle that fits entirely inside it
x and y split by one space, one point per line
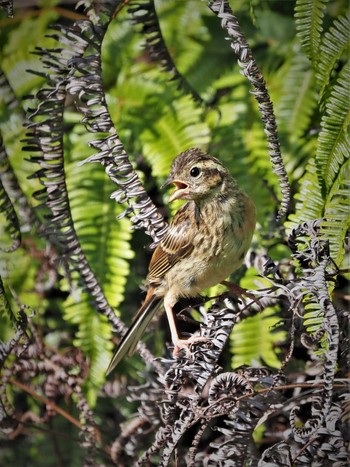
259 168
337 213
297 154
298 97
145 13
94 338
120 46
134 98
309 21
17 57
104 239
252 340
21 271
185 30
257 149
322 192
238 139
6 313
9 223
178 129
333 142
313 317
310 202
105 242
335 45
333 207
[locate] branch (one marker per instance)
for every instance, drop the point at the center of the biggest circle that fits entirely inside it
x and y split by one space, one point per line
251 71
144 13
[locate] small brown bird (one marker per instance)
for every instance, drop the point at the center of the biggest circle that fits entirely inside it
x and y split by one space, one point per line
206 241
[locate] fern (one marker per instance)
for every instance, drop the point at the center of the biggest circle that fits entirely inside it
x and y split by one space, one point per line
298 99
11 226
6 313
17 54
309 21
337 214
144 12
22 273
297 155
249 350
105 242
133 99
333 142
323 187
335 45
239 141
257 149
93 337
264 190
178 129
332 157
154 124
313 317
309 200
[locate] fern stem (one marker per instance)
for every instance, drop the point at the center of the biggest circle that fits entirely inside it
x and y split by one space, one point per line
46 138
250 69
144 13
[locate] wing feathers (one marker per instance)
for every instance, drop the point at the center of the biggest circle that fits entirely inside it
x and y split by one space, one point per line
176 244
129 342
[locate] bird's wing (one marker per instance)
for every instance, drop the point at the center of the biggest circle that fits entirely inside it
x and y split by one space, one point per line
176 244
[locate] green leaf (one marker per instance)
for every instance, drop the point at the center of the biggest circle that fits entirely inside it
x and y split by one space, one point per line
17 56
104 239
310 202
248 349
313 317
94 338
177 129
332 157
298 97
337 213
335 45
309 21
333 142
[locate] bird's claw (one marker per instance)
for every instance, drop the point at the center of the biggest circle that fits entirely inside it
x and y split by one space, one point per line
238 291
185 344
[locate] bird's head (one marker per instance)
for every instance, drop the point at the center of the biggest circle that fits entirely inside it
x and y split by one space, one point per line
196 175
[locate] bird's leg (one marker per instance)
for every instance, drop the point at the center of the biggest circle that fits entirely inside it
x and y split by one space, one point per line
238 291
179 343
168 305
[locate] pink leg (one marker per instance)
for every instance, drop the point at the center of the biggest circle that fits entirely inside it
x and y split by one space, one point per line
168 305
178 343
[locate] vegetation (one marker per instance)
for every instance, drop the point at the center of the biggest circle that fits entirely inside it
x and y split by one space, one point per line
95 103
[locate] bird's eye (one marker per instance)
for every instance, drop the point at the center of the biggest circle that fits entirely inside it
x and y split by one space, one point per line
195 171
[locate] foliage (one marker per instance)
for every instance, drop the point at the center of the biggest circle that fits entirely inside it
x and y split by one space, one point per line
114 91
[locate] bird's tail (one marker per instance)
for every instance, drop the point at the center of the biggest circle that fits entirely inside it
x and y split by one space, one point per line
138 326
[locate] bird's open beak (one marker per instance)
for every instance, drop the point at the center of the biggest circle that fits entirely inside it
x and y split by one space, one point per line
181 188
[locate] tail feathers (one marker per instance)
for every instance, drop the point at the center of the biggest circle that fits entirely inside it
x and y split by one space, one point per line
129 342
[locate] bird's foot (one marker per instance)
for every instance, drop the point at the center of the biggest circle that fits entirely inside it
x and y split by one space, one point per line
238 291
185 344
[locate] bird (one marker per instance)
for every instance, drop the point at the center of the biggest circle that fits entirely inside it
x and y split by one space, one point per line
207 240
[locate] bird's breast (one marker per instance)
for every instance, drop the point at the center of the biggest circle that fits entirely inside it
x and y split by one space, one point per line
222 239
